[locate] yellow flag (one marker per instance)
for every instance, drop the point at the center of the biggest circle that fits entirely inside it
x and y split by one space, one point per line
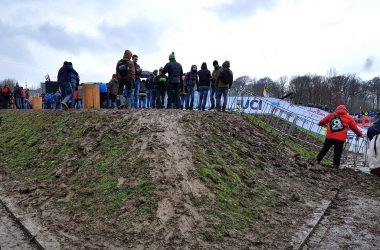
265 92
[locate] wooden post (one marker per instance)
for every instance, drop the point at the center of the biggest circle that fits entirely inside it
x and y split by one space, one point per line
37 103
91 96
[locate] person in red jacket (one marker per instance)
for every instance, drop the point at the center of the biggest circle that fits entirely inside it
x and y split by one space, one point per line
338 124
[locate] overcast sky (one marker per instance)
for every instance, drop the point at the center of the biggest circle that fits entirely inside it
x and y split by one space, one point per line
259 37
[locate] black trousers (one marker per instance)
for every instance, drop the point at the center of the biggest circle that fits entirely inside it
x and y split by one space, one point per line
173 95
338 150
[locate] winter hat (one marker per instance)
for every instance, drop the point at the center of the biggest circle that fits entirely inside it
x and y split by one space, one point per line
172 56
340 107
215 62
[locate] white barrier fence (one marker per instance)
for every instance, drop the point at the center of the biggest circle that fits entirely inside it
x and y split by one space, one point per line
300 117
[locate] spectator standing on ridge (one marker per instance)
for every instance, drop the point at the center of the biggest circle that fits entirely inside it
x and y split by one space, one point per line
6 96
338 124
80 95
223 83
175 72
160 85
57 100
125 71
191 80
74 84
28 99
183 93
204 86
137 83
142 94
17 96
76 98
150 90
66 75
113 88
215 75
23 96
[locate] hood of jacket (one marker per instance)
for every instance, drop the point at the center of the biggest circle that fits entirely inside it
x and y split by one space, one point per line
127 55
193 71
204 66
226 65
341 112
68 65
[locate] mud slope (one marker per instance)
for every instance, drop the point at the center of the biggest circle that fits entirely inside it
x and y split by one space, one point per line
166 179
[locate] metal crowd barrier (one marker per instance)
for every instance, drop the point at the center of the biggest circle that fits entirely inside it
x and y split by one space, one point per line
286 122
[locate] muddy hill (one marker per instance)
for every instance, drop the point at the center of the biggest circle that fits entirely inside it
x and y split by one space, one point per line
162 179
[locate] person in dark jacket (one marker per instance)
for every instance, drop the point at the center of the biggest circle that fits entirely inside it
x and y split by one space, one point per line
125 71
338 124
375 128
175 72
191 82
17 96
214 77
204 86
142 94
136 86
160 83
183 93
66 77
150 90
223 84
113 89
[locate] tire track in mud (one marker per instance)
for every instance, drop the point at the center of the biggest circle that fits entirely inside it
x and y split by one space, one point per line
346 222
165 146
13 234
308 229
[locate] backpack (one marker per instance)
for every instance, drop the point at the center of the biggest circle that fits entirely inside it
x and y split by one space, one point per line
225 76
123 68
336 124
162 80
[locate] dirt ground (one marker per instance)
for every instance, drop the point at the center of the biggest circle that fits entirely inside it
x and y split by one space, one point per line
182 180
352 220
11 236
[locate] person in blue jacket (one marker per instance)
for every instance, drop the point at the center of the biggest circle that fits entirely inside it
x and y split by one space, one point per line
103 94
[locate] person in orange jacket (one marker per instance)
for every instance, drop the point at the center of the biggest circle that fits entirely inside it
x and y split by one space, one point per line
338 124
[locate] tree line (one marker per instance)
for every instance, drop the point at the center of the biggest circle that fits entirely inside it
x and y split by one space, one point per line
316 90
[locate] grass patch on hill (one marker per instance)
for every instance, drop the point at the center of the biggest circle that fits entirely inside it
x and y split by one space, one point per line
81 157
234 175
